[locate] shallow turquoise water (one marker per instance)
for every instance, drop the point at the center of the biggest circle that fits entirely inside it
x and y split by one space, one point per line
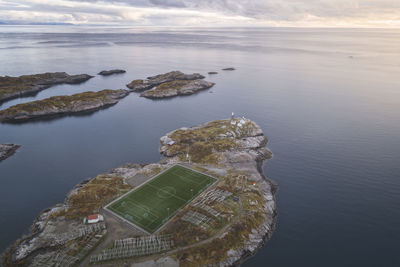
328 100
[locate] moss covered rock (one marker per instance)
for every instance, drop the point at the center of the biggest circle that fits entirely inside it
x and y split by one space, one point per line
177 88
62 105
153 81
14 87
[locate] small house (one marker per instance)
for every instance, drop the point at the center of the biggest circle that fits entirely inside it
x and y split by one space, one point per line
171 143
94 218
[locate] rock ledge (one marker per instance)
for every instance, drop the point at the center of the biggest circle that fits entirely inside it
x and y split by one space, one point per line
62 105
7 150
14 87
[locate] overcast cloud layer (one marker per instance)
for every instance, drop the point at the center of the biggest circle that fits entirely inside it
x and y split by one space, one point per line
304 13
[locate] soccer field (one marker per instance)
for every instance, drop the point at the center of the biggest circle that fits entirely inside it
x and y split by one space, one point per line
152 204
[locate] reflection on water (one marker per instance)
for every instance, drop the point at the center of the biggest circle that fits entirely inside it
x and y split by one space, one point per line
328 100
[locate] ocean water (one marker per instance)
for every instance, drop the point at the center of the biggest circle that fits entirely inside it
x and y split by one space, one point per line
328 99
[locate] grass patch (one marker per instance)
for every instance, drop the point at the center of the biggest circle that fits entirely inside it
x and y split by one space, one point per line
154 203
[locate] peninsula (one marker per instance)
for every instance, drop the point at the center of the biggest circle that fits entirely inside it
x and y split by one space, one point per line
7 150
216 207
62 105
14 87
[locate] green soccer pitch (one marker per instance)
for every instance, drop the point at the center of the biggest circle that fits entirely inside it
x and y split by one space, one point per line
152 204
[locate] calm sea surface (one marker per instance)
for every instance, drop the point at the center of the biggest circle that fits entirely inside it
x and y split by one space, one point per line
329 101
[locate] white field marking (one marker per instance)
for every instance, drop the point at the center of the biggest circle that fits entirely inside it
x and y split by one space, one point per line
186 177
161 226
175 196
186 202
139 186
189 168
128 222
136 219
149 223
133 203
144 207
145 182
197 174
164 190
155 176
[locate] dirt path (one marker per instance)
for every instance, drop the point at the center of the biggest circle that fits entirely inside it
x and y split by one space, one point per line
171 252
116 229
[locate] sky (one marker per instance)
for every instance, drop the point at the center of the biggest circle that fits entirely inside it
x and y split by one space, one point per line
209 13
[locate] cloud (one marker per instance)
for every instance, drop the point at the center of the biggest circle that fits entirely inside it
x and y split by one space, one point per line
357 13
168 3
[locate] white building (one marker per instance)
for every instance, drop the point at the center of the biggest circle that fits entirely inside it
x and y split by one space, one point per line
94 218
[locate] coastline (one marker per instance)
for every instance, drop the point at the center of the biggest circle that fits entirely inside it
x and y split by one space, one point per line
268 235
8 152
59 106
248 155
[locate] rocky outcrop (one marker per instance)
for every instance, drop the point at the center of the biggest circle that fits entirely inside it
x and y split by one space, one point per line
231 150
177 88
174 83
151 82
62 105
7 150
14 87
236 145
111 72
228 69
212 72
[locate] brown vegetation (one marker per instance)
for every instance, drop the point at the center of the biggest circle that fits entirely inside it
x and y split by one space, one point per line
95 194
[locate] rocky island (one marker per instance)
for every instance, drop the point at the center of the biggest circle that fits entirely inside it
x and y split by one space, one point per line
62 105
220 227
111 72
14 87
7 150
153 81
174 83
177 88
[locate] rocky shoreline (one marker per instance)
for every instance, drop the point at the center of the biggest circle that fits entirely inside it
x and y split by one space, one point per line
14 87
153 81
266 236
62 105
232 150
171 84
7 150
177 88
256 142
111 72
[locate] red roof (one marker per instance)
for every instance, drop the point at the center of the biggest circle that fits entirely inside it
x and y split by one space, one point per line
93 217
